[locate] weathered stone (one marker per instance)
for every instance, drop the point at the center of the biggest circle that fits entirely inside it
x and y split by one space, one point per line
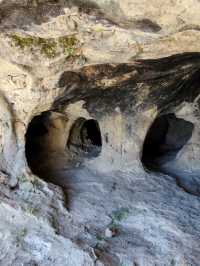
64 63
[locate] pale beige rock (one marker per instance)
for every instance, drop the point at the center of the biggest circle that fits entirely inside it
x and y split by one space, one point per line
162 227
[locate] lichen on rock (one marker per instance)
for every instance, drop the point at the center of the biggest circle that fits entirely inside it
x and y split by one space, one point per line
47 47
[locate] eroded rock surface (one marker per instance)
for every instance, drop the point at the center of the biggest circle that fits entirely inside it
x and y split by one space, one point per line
77 101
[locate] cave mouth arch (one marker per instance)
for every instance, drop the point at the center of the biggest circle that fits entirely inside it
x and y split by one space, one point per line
45 141
85 138
50 146
35 145
165 138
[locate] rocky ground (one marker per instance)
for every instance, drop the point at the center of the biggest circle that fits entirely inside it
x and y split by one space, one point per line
118 219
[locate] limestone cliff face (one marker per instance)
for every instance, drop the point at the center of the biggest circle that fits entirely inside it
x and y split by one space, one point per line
99 132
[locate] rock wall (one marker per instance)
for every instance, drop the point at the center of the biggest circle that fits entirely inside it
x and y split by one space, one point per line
120 64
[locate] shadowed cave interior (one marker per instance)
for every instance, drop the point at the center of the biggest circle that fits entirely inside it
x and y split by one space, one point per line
50 147
85 136
165 138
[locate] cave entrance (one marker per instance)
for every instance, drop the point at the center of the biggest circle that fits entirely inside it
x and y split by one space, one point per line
85 138
165 138
35 136
50 149
45 142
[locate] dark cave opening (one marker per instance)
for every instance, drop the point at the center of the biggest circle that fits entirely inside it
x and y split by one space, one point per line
35 138
35 132
85 137
165 138
45 143
49 150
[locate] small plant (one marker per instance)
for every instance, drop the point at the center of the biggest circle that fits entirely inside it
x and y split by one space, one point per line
32 210
120 214
22 178
24 232
100 238
21 234
117 216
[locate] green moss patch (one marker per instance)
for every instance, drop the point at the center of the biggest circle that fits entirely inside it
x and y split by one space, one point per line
22 42
68 44
49 47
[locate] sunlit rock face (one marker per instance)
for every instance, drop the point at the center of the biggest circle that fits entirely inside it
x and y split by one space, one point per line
126 117
99 132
